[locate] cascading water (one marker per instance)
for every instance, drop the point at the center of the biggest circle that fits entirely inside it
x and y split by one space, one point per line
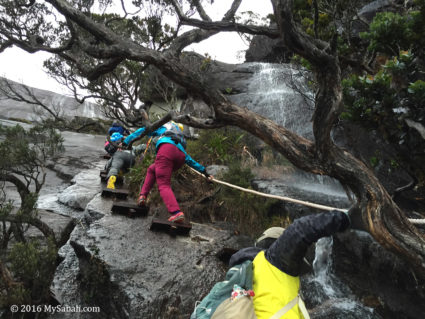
275 92
280 93
325 291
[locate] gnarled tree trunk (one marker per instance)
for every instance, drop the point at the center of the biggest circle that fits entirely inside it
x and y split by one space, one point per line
385 221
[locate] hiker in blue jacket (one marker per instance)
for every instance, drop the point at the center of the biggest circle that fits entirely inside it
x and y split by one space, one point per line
118 128
263 281
171 155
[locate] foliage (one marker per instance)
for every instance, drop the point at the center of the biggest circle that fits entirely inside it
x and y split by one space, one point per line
247 211
417 91
388 99
221 146
24 150
32 263
332 18
136 174
33 266
390 32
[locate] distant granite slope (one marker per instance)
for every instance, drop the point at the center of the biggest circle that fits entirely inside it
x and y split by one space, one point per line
67 106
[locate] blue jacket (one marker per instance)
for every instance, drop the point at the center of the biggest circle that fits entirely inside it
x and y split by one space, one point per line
165 139
117 128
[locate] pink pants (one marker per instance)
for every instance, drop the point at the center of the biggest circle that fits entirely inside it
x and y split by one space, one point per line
168 159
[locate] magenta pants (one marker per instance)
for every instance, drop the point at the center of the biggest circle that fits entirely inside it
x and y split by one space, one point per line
168 159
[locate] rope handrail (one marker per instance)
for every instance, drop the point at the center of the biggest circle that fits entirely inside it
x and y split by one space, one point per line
293 200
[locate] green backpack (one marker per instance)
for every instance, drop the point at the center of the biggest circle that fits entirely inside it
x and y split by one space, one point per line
219 305
240 275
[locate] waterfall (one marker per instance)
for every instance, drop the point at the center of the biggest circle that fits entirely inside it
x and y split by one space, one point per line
280 93
325 290
322 268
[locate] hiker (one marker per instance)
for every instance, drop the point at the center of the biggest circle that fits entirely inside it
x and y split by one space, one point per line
171 155
121 161
263 281
117 127
113 143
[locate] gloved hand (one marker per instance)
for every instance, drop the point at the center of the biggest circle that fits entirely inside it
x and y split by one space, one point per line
210 177
356 220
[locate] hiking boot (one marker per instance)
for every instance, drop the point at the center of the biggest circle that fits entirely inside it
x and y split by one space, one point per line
177 218
141 201
111 182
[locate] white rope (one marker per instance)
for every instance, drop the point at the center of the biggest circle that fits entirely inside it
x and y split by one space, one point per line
292 200
417 221
288 199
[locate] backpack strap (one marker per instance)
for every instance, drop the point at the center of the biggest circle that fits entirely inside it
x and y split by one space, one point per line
303 309
289 306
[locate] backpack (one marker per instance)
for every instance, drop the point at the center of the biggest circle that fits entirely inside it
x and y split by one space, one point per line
240 275
110 148
219 304
176 135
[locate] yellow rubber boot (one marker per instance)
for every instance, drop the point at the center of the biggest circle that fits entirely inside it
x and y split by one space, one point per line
111 182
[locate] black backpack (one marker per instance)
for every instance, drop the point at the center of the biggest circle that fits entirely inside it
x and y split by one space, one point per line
110 148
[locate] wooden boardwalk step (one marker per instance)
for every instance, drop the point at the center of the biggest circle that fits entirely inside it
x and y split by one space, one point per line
129 208
120 193
173 228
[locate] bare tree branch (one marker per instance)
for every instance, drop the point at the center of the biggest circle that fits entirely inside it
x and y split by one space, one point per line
201 11
198 122
10 91
33 221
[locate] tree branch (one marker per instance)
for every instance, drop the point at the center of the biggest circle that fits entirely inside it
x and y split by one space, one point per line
33 221
219 26
6 276
204 16
198 122
301 43
102 68
13 93
20 186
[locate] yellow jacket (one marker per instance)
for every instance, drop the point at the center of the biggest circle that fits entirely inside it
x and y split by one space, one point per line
273 289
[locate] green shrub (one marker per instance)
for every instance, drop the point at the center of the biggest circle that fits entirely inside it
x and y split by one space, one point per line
218 146
33 266
137 173
249 212
417 92
388 33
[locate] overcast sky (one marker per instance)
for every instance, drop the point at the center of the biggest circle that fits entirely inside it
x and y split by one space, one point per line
20 66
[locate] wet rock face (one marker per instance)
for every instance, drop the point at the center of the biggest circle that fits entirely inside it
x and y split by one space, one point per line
150 274
69 107
384 281
85 186
264 49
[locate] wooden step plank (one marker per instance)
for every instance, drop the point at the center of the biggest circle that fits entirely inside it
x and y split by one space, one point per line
121 193
129 208
173 228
